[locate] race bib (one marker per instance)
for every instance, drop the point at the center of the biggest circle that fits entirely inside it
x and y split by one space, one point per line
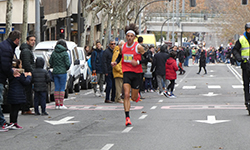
128 57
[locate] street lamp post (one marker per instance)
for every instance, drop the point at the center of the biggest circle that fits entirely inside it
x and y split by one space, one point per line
162 27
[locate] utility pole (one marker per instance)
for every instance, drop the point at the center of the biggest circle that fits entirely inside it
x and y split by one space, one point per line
173 41
168 20
37 28
78 24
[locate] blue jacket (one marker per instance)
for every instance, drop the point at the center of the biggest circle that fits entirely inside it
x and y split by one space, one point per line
7 49
97 61
16 93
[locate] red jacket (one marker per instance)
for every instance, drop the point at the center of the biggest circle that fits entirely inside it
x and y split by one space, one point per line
171 68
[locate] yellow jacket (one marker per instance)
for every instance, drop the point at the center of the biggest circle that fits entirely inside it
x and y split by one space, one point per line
117 70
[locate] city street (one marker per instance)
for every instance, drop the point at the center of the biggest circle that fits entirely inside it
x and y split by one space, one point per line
208 114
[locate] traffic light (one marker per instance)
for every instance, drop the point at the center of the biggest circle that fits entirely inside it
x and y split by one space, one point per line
82 24
192 3
62 32
244 2
70 24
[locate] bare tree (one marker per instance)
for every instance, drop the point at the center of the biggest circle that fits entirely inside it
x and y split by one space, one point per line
25 20
8 18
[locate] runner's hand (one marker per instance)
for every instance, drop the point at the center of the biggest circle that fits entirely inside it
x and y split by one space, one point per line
134 62
113 64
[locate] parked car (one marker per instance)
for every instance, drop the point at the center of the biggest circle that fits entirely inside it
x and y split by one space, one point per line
85 71
74 72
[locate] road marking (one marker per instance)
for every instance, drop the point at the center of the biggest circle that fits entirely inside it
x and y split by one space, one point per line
237 86
214 86
127 129
189 87
143 116
95 107
107 146
210 94
211 76
62 121
154 107
211 71
88 93
200 107
236 74
211 120
67 99
160 101
176 85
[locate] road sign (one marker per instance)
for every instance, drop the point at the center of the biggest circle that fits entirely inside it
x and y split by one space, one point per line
211 120
62 121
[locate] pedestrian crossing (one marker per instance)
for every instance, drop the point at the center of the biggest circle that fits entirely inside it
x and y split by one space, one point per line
211 87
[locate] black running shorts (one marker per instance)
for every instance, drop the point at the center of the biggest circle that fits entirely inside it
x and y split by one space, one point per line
134 79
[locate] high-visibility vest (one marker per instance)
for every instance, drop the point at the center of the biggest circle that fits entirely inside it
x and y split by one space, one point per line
245 48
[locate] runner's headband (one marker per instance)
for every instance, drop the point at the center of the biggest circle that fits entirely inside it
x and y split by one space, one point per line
130 31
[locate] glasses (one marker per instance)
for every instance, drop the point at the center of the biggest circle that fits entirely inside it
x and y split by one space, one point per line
112 43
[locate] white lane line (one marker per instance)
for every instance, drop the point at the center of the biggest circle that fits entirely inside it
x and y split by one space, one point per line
189 87
214 86
160 101
176 85
99 108
127 129
154 107
107 146
88 93
237 86
143 116
236 74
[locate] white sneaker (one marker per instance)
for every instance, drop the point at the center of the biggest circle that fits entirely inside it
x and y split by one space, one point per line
97 94
161 93
57 107
102 94
152 91
63 107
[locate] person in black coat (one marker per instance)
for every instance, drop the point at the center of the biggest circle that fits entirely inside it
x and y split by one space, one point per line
7 50
202 63
40 80
16 93
158 67
181 56
108 71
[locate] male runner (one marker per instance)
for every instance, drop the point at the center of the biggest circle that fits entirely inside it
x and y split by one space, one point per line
130 54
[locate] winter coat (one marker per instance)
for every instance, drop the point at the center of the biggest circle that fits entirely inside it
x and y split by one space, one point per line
27 57
59 60
107 57
181 56
148 74
159 62
16 93
40 76
7 50
171 68
202 59
144 60
97 61
117 70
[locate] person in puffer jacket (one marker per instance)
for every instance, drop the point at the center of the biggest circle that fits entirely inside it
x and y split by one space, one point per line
171 68
40 80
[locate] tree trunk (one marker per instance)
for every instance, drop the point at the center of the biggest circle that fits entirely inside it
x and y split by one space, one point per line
115 27
91 40
102 26
25 20
107 30
8 18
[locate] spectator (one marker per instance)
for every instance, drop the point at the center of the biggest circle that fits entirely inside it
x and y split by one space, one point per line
117 72
97 66
16 93
40 78
27 58
59 61
181 60
107 57
7 50
158 67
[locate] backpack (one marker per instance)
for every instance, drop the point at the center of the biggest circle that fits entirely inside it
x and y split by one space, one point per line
89 61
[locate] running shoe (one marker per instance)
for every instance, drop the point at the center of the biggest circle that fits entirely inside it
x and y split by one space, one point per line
172 96
17 126
128 122
166 94
152 91
139 97
3 129
57 107
8 125
63 107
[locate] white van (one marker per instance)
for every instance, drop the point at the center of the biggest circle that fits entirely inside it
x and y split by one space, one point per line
74 72
85 71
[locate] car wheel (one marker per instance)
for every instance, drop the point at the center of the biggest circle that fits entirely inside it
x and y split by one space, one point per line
84 85
77 87
71 87
52 99
66 95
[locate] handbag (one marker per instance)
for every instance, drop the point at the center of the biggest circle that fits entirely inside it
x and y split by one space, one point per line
51 76
93 78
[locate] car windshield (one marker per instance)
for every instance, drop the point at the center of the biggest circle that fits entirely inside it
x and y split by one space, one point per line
80 55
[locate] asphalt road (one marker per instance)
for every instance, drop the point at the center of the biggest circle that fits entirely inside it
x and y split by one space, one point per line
208 114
